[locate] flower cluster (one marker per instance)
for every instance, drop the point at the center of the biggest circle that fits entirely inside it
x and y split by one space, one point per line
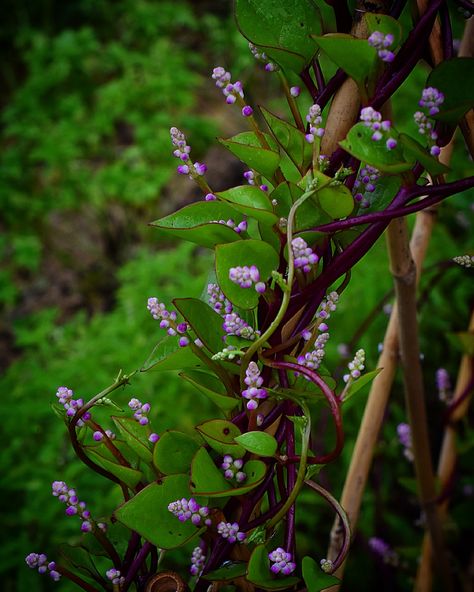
98 436
246 277
404 436
444 385
40 561
182 150
356 366
464 260
383 550
431 99
230 532
185 510
314 120
74 506
382 43
313 359
254 382
198 559
365 183
232 468
262 57
232 91
71 405
373 119
241 227
328 305
304 257
168 320
281 562
217 300
114 576
234 325
141 410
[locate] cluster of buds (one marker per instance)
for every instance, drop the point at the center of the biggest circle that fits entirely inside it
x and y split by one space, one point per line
444 385
253 393
185 510
234 325
217 300
304 258
232 91
404 436
114 576
464 260
262 57
328 305
382 43
246 277
65 397
141 411
230 532
241 227
365 183
373 119
383 550
232 468
314 120
198 559
168 320
182 150
281 562
73 506
313 359
356 367
40 562
249 176
431 99
98 436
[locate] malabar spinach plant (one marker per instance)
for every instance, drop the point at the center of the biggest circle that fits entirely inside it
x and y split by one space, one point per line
320 189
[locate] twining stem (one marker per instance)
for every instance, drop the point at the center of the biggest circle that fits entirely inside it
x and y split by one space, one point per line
342 516
76 579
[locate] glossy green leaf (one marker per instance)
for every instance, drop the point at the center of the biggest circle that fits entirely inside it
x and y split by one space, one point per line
248 252
198 223
384 24
168 355
251 201
336 201
228 572
147 513
355 56
359 143
205 322
385 190
284 29
131 477
79 560
259 443
315 578
455 79
359 383
220 434
205 476
290 138
212 387
413 150
248 149
259 572
174 452
135 435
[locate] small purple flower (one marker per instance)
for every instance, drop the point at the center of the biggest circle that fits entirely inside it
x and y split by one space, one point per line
431 99
232 468
391 143
383 550
246 276
264 187
114 576
185 510
381 43
217 300
303 255
153 438
231 91
262 57
282 562
313 359
198 559
295 91
230 532
141 410
314 119
373 119
328 305
365 182
356 367
234 325
183 341
254 382
247 111
249 176
210 197
40 562
71 405
404 436
98 436
74 506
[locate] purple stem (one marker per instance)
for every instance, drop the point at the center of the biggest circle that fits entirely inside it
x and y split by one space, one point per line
137 563
466 5
397 8
447 32
308 82
342 14
318 73
291 480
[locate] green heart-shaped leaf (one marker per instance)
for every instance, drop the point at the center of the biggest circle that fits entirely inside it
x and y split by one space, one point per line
259 443
205 322
220 434
168 355
135 435
212 387
251 201
174 452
